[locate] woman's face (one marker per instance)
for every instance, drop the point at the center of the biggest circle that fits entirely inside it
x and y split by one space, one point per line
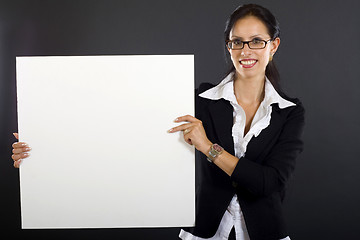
250 63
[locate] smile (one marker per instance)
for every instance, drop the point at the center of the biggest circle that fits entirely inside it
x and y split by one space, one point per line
248 63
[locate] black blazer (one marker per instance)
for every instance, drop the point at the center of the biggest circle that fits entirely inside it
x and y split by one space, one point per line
260 177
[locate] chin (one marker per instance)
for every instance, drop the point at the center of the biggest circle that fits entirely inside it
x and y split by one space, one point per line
247 73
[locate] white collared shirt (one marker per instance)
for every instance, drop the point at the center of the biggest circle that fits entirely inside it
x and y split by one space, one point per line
233 216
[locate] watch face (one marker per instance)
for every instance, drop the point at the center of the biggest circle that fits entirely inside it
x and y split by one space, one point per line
217 148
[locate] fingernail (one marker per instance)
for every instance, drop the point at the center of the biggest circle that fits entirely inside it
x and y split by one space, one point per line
17 163
177 119
170 130
26 154
24 145
28 149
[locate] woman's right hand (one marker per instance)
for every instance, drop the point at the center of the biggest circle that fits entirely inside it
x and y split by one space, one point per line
20 151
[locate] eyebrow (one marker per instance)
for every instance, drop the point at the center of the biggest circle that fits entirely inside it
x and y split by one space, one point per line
254 36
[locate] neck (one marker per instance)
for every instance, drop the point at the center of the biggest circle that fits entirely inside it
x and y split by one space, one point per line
249 90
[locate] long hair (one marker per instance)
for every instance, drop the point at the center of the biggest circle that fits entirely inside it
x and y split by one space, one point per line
272 26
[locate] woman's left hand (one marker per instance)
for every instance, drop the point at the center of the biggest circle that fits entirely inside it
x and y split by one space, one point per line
194 133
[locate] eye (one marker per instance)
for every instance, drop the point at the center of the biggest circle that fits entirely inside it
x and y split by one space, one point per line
237 42
257 41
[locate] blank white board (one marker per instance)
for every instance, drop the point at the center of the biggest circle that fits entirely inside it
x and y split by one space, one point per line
102 157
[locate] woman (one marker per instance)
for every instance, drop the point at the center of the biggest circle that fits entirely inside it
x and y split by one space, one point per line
248 135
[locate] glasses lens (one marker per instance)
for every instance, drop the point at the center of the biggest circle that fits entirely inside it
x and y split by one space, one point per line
256 44
236 44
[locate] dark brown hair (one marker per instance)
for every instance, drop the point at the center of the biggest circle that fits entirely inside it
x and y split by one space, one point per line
272 26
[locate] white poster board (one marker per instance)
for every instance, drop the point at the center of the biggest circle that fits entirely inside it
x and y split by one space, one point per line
102 156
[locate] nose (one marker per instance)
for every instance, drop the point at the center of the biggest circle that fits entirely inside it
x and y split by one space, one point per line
246 50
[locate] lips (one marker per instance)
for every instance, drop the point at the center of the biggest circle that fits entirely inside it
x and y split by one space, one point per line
248 63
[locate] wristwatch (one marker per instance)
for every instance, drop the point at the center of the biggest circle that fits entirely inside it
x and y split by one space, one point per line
215 151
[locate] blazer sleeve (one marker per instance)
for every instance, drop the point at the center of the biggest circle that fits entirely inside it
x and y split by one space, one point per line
272 174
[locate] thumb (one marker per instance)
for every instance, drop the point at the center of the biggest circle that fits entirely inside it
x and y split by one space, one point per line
16 135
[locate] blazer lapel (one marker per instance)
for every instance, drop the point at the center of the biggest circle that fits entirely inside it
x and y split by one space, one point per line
221 113
267 137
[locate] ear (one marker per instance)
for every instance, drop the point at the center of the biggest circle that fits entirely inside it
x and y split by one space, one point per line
227 48
274 45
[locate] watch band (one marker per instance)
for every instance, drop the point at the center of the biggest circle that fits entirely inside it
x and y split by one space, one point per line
215 151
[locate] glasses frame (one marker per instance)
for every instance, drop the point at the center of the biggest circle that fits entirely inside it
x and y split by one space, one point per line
247 42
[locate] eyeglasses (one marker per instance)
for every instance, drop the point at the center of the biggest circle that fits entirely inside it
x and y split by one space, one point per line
237 44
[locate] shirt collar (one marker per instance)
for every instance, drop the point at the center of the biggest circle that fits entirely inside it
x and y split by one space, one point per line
225 90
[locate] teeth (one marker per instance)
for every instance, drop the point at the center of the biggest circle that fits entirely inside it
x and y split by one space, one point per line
249 62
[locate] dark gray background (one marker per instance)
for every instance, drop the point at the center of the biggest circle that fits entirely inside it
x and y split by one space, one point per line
318 60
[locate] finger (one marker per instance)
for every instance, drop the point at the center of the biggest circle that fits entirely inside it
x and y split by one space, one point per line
17 163
16 135
21 150
19 145
180 127
16 157
186 118
188 140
